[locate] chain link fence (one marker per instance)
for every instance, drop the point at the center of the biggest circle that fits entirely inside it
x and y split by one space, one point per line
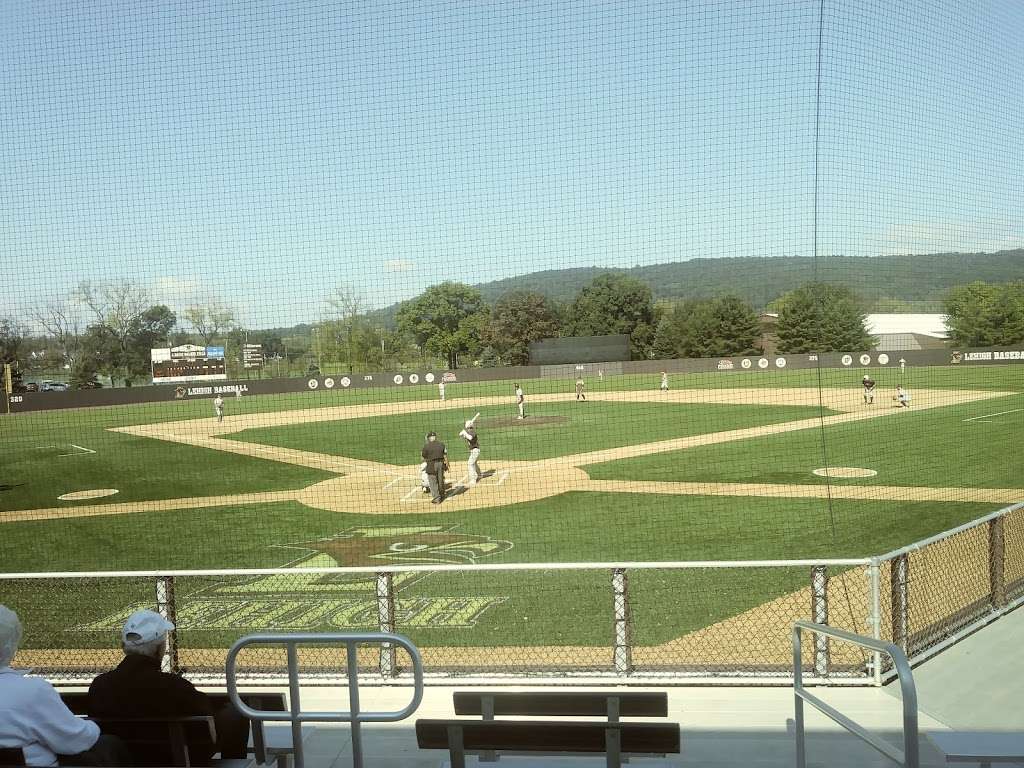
626 621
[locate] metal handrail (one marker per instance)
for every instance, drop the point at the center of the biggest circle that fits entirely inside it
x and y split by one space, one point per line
908 756
355 716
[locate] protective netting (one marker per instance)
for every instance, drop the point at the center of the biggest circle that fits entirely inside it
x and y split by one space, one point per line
683 621
670 282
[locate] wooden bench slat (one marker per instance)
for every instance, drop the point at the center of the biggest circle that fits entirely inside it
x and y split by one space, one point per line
563 703
551 737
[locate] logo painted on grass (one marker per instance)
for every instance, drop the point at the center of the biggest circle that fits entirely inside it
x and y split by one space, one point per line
324 602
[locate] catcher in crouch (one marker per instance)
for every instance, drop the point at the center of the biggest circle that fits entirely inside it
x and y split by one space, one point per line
469 435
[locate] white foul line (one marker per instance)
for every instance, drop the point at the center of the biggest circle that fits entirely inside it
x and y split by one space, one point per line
416 489
80 448
990 415
396 480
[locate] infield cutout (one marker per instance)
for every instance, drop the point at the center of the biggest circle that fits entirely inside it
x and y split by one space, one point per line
844 472
95 493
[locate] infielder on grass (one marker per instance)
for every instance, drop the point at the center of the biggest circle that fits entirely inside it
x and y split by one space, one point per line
218 408
581 385
520 402
469 435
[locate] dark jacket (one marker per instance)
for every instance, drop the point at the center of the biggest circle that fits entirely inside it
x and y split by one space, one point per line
433 453
137 688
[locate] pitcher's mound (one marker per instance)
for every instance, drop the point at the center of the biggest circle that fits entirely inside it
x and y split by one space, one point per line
529 421
844 472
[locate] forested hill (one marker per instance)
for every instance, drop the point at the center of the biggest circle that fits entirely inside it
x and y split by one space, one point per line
913 283
921 278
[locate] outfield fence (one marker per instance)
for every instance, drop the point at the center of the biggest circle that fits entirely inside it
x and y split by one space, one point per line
624 622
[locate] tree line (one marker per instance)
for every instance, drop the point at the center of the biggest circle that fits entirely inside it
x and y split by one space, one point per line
110 328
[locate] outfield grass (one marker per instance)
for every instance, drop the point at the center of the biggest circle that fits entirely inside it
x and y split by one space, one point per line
588 426
936 448
535 608
35 472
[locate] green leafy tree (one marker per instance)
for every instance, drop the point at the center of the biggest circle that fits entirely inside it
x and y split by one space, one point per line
446 320
821 317
986 314
83 373
717 327
517 319
12 350
152 328
615 304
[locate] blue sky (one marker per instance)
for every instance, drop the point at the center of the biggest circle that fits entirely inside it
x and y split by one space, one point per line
264 152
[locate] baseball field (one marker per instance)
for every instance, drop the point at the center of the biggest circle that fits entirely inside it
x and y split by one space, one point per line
726 466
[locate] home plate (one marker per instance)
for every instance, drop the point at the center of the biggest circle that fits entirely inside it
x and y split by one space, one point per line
95 493
844 472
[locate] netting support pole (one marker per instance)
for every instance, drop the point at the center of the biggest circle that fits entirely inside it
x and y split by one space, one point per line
875 619
386 622
819 610
996 562
167 608
899 574
623 656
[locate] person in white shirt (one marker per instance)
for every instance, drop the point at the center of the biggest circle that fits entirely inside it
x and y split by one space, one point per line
440 389
34 719
218 408
520 402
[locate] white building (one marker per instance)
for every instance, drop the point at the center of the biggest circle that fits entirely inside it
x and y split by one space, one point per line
908 331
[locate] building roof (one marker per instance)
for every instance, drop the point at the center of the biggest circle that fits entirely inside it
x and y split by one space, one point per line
905 323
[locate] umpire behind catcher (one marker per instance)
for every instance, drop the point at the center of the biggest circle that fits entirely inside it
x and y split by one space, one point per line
436 456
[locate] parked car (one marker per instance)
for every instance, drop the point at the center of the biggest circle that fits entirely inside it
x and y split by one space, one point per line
53 386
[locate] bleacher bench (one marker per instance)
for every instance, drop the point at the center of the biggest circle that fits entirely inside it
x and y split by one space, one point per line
980 747
611 705
267 743
462 737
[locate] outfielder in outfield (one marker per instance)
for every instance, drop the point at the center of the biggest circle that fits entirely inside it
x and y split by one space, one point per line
581 386
664 381
473 441
520 402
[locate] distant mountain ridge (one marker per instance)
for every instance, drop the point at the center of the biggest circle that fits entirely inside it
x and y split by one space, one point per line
760 280
884 282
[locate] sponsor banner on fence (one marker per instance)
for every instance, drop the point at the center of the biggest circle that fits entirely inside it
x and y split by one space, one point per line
735 366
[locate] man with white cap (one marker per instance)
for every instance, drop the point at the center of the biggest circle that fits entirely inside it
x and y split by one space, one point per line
473 441
35 720
138 688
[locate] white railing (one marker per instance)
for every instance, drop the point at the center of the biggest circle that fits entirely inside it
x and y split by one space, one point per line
908 756
355 715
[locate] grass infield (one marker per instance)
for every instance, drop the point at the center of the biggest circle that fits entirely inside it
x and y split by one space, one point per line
550 429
